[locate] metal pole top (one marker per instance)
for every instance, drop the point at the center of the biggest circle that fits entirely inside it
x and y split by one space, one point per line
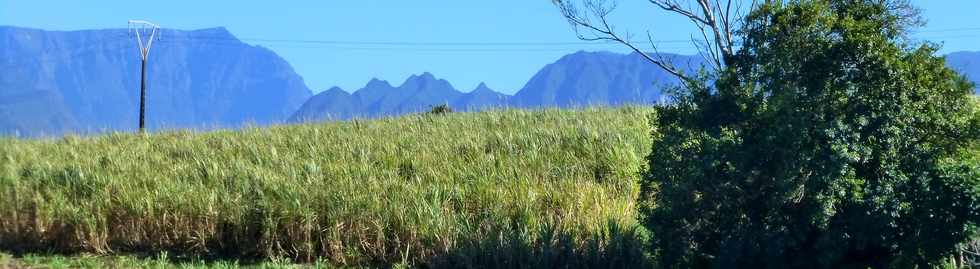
140 27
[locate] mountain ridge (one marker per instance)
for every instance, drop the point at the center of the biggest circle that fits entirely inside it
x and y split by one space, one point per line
578 79
93 78
379 98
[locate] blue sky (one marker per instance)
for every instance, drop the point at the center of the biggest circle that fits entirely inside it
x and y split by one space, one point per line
505 67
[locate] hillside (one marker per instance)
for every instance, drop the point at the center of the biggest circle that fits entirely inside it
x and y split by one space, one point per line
600 78
548 188
58 82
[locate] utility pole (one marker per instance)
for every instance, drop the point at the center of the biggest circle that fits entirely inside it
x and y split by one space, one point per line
148 29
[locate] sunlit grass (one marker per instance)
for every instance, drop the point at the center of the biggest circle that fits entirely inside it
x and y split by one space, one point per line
496 189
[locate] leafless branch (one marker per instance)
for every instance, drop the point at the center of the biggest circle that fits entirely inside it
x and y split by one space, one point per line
604 31
715 20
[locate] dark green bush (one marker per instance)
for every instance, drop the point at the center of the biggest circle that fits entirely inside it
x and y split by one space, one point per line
440 109
829 141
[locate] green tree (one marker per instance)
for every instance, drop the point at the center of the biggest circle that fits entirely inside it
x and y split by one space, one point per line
829 140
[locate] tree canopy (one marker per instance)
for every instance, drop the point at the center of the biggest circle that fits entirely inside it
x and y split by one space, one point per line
829 140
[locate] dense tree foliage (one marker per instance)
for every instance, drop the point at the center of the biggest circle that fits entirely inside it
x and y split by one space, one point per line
829 140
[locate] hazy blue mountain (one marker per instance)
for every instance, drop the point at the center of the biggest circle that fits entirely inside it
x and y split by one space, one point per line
480 98
967 63
600 78
332 104
88 81
583 78
374 91
416 94
379 98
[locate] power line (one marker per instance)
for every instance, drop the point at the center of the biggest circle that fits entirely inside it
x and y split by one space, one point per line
488 44
418 49
461 46
446 47
478 44
410 44
964 29
954 37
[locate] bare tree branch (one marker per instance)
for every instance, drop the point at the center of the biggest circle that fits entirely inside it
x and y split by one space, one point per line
603 31
713 18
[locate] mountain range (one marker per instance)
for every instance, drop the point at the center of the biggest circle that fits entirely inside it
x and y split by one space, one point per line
578 79
379 98
57 82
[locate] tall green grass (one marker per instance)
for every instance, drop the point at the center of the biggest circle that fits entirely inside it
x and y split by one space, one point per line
547 188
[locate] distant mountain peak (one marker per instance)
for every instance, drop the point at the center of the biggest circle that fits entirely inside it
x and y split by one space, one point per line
335 89
425 76
482 87
426 81
375 83
214 32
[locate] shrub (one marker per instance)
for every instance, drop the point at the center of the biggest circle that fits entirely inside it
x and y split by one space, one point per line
828 142
441 109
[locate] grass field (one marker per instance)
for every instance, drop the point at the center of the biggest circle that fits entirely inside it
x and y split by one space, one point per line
547 188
